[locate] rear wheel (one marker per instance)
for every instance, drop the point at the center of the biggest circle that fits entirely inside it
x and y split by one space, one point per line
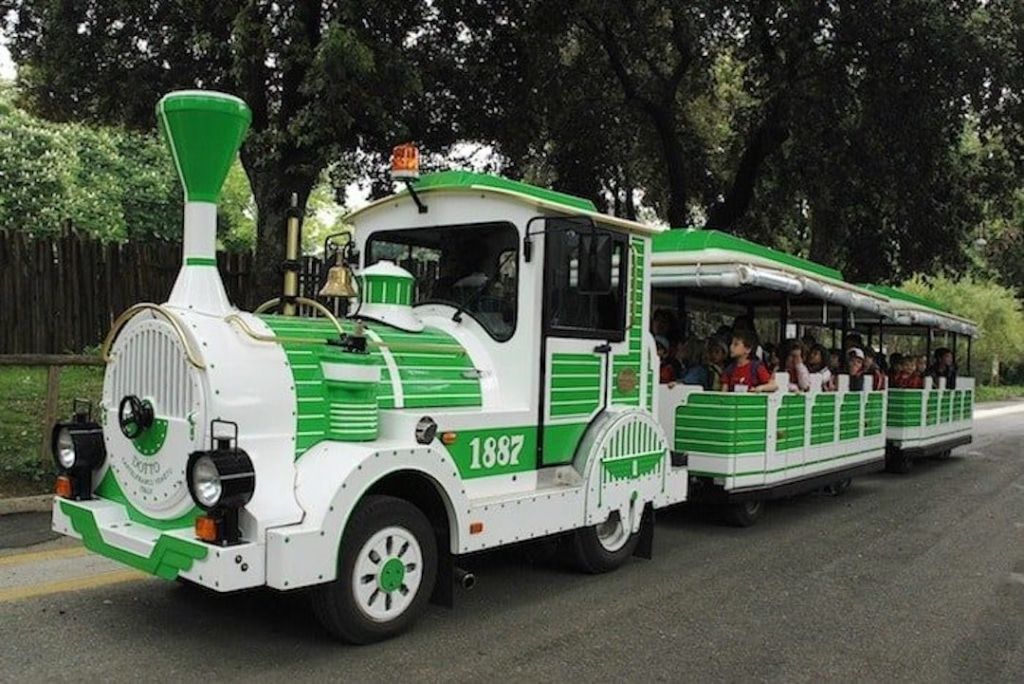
386 572
604 546
838 487
744 513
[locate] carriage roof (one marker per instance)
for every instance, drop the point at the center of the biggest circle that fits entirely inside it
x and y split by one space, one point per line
712 259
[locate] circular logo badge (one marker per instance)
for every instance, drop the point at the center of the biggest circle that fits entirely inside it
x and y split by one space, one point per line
627 380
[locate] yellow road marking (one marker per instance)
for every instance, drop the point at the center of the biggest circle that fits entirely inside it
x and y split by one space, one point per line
40 556
77 584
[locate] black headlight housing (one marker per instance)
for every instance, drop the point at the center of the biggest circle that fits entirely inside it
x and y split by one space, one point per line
78 452
220 480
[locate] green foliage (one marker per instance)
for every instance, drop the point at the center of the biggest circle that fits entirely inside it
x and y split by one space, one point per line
999 392
322 79
994 308
103 182
236 213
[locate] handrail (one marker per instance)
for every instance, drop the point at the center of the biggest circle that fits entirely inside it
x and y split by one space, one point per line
129 313
276 301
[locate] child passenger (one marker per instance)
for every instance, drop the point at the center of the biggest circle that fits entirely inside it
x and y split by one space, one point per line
855 365
816 363
671 369
793 363
745 374
905 377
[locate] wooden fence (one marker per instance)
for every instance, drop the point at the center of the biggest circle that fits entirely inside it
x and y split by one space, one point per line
60 295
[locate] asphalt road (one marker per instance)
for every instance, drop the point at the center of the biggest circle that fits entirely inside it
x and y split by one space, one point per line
903 578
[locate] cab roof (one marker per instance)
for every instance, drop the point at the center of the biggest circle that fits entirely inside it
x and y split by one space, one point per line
543 198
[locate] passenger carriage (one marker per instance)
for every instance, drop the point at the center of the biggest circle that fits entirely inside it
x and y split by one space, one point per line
744 449
936 419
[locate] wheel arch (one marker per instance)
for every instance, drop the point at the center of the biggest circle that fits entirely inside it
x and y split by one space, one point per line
331 484
423 491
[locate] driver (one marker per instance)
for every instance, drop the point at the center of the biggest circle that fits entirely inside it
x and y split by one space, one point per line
461 272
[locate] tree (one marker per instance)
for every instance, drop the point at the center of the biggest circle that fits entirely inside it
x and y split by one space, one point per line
321 78
995 309
832 129
105 183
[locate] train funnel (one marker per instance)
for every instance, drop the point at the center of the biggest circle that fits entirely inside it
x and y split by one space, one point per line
204 130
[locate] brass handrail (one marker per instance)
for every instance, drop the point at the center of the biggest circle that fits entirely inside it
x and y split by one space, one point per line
129 313
276 301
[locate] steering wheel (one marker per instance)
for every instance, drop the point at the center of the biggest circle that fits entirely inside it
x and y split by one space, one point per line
134 416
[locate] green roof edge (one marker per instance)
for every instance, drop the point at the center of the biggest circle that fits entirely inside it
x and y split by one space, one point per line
447 180
693 240
902 295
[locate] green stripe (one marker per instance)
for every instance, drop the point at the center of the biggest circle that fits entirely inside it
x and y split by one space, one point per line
169 556
200 261
784 468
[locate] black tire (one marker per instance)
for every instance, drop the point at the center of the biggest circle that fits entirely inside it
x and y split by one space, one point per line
591 556
744 513
898 462
335 604
838 487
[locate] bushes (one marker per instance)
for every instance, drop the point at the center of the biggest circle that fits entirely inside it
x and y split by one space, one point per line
106 182
995 309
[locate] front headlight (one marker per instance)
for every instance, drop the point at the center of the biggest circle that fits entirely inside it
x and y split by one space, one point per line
78 451
221 478
205 482
64 449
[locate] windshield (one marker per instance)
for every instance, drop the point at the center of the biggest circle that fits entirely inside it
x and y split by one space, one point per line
472 266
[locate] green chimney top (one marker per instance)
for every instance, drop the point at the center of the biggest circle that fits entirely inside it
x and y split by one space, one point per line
204 130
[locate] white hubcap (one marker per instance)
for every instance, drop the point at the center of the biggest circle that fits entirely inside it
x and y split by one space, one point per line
612 533
387 574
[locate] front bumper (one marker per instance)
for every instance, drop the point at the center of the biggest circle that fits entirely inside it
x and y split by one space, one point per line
105 528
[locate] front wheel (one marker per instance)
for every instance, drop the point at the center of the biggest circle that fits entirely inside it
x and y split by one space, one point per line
744 513
603 547
386 572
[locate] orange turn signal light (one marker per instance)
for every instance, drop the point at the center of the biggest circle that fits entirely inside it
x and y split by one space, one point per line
448 438
476 527
63 487
207 529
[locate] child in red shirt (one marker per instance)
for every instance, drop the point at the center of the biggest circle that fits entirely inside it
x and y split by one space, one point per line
743 371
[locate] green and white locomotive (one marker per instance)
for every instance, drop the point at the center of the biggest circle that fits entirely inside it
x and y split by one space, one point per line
493 381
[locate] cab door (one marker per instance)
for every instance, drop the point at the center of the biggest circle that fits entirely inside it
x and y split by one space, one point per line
584 312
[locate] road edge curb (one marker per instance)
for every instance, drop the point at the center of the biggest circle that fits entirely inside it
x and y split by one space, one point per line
26 504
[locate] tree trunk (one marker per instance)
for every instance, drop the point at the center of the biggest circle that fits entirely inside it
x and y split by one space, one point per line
272 193
767 138
825 226
675 166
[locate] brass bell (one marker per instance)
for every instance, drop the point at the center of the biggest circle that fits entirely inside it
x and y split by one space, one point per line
339 282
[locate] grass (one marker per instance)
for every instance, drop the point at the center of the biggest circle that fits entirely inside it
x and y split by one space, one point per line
23 471
999 392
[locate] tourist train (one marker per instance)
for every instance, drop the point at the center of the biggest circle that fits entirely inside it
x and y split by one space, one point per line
490 378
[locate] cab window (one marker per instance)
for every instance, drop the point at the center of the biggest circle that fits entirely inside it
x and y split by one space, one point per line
472 267
585 280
